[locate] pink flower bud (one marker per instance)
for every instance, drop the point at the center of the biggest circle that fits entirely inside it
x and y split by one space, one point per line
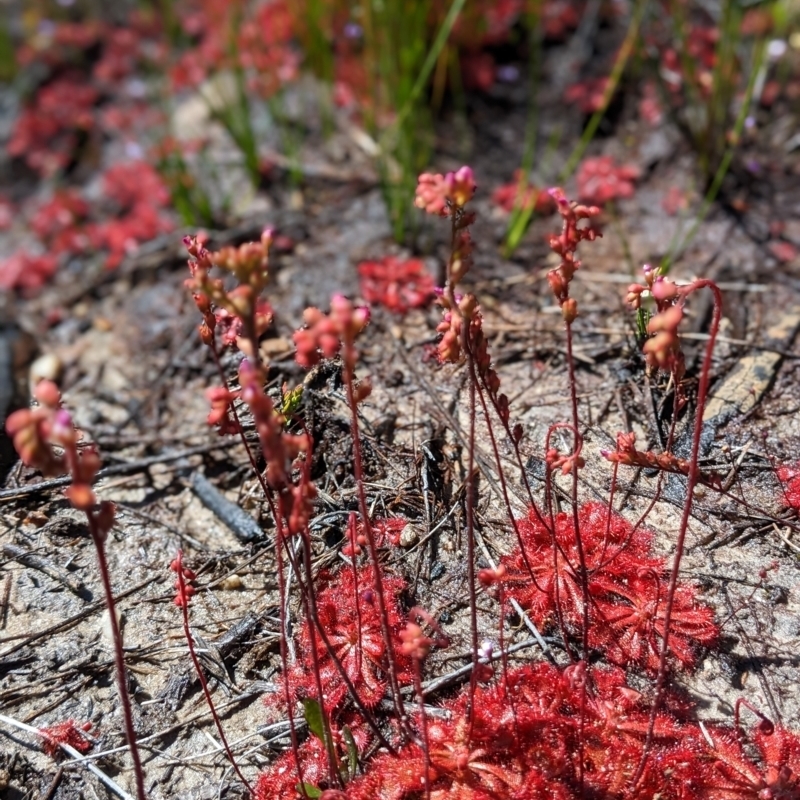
664 289
46 393
557 283
62 430
461 186
569 310
468 305
81 496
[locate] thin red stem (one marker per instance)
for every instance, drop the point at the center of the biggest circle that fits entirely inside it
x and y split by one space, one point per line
119 656
470 513
694 474
199 670
358 470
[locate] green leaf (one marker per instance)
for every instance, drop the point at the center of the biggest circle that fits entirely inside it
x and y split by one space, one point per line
312 711
308 789
352 752
291 401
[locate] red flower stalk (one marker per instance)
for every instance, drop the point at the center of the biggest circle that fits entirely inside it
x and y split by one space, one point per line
280 448
249 264
36 434
626 453
183 596
324 334
663 349
565 245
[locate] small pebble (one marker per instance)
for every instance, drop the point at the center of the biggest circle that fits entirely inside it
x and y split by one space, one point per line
408 536
232 583
36 518
46 367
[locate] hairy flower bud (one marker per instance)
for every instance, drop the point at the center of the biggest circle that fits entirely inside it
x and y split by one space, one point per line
569 310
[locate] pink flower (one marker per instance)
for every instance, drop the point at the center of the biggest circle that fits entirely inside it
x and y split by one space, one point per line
442 194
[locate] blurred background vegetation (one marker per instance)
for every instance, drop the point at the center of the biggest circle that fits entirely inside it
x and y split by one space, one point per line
119 121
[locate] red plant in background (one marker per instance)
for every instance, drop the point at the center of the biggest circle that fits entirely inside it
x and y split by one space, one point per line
122 52
701 45
69 733
46 133
265 48
229 36
560 18
27 272
587 95
675 200
518 194
139 194
62 45
782 251
650 109
478 70
396 284
133 183
789 476
600 180
59 223
6 213
63 225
